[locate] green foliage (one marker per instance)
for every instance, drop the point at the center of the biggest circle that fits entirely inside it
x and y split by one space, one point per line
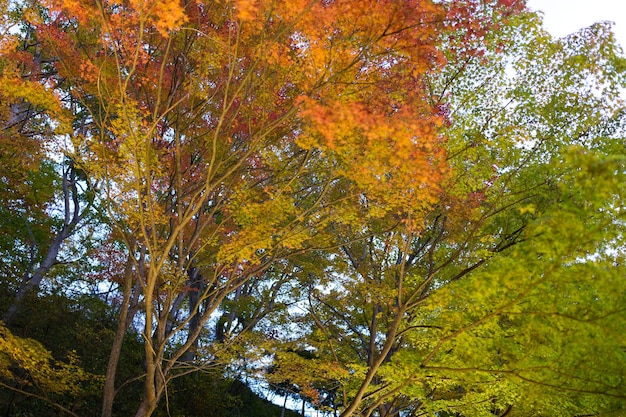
513 289
208 393
24 216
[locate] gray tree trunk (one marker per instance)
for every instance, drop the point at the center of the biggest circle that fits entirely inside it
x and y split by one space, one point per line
73 216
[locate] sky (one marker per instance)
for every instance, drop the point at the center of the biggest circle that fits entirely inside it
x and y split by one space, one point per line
562 17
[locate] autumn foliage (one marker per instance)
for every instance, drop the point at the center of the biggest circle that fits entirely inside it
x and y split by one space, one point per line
227 162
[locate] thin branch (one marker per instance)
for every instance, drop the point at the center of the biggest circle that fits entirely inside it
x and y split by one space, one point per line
47 400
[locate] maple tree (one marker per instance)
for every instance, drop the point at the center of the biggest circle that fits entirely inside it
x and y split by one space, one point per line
221 158
498 303
213 167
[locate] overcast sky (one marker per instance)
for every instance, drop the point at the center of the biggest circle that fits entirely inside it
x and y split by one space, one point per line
562 17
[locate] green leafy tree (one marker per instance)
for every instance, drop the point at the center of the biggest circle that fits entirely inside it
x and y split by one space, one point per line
508 298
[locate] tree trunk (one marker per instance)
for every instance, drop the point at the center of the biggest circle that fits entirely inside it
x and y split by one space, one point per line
151 392
282 411
71 220
375 364
108 394
196 283
152 388
146 408
32 282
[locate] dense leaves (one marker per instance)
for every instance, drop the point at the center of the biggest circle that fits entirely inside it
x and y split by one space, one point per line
375 207
498 298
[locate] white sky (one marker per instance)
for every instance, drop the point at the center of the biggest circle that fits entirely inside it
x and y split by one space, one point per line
562 17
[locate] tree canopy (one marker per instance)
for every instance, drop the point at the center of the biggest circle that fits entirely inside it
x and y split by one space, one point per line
380 208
